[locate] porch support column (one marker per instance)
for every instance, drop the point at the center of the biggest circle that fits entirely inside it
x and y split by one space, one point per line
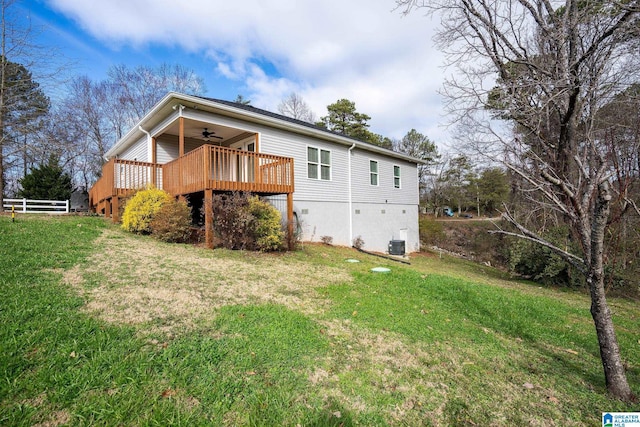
208 218
107 208
115 209
180 154
181 137
290 220
256 162
154 159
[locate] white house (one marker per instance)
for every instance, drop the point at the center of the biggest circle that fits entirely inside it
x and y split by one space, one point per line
325 183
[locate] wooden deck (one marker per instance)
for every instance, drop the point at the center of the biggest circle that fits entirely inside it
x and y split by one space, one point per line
207 168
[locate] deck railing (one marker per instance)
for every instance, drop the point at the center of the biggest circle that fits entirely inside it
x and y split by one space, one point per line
225 169
122 176
205 168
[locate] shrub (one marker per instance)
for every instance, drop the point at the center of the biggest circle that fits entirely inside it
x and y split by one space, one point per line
231 219
327 240
265 225
542 264
172 223
141 208
358 242
293 239
241 221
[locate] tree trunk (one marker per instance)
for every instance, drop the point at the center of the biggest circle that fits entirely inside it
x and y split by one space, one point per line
1 178
614 372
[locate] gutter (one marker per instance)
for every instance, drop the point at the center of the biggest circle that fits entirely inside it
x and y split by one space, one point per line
350 194
188 101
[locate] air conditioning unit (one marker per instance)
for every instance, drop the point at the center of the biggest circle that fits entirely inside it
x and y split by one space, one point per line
396 247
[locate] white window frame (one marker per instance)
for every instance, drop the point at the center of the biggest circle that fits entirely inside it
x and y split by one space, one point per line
319 165
375 174
398 177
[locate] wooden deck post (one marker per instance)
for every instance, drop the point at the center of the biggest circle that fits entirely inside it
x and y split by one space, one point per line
115 209
208 218
181 137
180 148
107 208
290 220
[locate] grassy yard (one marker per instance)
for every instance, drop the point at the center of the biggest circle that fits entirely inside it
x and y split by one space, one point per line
99 327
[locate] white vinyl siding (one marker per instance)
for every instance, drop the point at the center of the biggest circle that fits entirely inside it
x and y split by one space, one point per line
137 151
373 172
282 143
318 164
167 147
396 176
385 192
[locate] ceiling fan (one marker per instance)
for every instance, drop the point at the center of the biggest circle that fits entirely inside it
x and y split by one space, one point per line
206 134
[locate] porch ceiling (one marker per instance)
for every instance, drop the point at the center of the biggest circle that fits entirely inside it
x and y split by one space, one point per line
193 129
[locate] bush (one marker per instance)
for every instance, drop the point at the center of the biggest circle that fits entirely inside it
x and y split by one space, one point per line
293 234
540 263
265 225
327 240
231 220
141 208
172 223
241 221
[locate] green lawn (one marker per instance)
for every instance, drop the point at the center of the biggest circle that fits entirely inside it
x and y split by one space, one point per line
99 327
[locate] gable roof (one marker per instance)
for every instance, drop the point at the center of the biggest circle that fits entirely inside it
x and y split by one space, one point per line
247 113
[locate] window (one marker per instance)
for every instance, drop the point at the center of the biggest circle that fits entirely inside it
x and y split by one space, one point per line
396 176
318 164
373 172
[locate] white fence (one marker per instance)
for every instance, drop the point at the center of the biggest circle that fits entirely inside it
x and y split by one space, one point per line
36 206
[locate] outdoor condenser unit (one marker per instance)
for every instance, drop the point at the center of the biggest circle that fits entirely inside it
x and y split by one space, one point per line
396 247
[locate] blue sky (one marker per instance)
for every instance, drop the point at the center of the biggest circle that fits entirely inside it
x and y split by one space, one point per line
361 50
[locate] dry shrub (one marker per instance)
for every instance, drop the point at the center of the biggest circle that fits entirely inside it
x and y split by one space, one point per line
242 221
172 223
327 240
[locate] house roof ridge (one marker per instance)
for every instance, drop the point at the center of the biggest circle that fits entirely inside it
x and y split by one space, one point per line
290 120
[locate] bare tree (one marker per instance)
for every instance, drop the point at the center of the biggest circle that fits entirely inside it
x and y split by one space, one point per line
26 68
96 114
295 107
531 76
21 99
136 90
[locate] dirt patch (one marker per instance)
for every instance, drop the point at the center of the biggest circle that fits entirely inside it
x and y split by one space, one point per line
57 418
136 280
394 368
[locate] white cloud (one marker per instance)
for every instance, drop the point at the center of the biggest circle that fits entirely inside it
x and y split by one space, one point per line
359 49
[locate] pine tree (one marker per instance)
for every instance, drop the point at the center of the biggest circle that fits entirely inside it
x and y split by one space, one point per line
47 182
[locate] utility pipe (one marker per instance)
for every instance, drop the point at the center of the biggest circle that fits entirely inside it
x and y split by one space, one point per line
350 195
151 178
149 149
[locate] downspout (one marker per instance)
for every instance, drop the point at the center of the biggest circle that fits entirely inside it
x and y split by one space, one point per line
148 142
151 175
350 195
